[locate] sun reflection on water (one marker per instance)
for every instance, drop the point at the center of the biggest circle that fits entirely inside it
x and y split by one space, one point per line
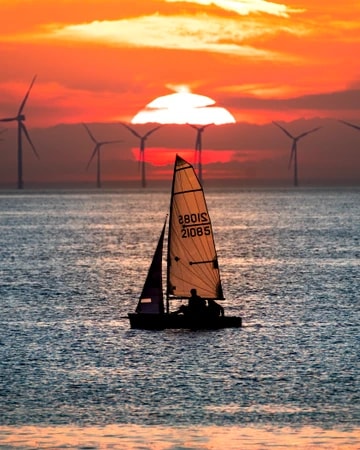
134 437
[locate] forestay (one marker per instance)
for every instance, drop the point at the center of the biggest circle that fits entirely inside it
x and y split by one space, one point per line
192 259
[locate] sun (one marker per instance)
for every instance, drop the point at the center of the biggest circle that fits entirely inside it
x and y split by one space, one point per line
183 107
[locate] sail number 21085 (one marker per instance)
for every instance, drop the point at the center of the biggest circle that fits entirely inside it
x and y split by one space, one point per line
194 225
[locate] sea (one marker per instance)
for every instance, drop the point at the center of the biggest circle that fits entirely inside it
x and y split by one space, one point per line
73 375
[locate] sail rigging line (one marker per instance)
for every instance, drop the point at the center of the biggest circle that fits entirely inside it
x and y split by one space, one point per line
190 190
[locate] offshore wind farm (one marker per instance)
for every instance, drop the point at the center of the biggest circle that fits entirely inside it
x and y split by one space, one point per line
163 147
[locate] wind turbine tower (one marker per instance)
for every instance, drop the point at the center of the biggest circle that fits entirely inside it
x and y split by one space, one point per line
97 152
20 119
293 154
142 148
198 147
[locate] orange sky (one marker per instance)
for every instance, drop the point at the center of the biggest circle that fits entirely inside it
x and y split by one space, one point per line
100 61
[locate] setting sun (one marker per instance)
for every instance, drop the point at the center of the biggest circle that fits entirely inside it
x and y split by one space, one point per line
183 107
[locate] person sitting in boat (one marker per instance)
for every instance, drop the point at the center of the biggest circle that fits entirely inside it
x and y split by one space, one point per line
196 305
214 309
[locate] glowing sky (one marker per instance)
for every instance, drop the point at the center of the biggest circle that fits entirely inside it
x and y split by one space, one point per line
105 60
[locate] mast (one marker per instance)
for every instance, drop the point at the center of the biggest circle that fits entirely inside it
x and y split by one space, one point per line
168 259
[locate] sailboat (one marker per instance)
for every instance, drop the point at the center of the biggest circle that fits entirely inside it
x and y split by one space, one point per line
191 263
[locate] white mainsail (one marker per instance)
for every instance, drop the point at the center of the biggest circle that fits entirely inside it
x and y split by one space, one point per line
192 259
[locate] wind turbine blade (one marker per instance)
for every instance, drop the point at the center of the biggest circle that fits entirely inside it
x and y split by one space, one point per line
8 119
193 126
110 142
307 132
96 149
350 124
26 96
24 130
89 133
151 131
131 130
284 130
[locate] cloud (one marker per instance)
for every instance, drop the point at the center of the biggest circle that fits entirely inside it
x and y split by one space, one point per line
331 101
199 32
245 7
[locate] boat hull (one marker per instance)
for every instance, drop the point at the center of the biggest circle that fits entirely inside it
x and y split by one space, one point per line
179 321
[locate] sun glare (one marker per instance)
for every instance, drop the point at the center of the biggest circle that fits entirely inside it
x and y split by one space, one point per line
183 107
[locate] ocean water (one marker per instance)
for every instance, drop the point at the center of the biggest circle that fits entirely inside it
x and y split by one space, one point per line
74 375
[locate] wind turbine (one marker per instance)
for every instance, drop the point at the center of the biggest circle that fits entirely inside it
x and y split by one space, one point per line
142 148
20 118
357 127
198 147
97 151
293 154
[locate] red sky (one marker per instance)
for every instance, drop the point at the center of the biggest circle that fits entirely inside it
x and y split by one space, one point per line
101 62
